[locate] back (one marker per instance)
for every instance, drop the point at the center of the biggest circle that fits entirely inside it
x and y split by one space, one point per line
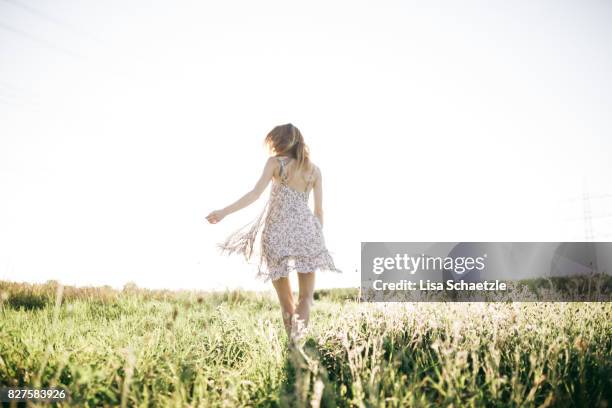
302 180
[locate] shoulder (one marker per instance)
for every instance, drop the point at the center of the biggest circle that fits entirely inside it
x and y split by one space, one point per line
316 170
273 162
273 165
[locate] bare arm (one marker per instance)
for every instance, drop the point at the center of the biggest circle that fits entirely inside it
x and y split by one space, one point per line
318 196
250 197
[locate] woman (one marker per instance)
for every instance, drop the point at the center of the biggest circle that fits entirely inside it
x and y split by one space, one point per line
291 234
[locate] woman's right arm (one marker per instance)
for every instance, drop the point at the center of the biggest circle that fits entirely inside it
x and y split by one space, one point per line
318 196
247 199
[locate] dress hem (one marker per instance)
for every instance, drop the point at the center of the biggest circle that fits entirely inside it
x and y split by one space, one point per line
269 277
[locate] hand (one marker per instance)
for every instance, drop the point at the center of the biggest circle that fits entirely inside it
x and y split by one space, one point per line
215 216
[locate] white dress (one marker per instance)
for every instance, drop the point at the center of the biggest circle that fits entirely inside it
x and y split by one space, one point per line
291 236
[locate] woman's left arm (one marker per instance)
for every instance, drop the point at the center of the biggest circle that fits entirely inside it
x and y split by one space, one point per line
250 197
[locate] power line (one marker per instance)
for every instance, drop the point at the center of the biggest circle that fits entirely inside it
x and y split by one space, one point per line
48 17
51 45
590 197
66 25
65 51
42 41
16 104
19 102
593 217
18 92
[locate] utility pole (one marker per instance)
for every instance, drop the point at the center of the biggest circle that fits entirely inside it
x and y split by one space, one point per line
589 235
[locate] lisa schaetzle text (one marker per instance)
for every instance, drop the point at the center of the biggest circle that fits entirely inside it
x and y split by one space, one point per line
427 285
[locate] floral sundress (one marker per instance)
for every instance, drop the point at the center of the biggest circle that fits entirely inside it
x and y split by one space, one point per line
285 237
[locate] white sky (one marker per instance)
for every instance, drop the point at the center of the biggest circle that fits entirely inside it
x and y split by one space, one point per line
123 123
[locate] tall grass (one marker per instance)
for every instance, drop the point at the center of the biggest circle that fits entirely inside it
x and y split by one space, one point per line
138 347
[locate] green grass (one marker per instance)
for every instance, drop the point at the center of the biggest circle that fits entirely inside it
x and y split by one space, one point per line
161 348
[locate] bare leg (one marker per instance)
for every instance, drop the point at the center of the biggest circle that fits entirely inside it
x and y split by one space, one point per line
305 299
287 303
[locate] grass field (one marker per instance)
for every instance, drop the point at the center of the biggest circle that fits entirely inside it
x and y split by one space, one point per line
159 348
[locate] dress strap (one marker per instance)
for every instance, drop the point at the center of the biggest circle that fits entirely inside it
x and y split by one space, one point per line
282 172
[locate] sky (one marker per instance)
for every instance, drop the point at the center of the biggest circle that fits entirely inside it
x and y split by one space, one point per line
124 123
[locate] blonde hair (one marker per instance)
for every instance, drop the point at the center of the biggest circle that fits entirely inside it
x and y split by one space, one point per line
287 140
